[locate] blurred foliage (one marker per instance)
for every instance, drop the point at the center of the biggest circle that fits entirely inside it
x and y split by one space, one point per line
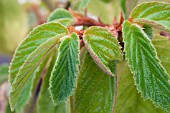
13 25
105 9
3 73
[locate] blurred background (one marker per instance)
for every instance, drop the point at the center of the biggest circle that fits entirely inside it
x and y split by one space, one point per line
18 17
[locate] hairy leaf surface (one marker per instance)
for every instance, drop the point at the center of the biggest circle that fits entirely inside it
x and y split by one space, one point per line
103 47
65 71
148 30
150 76
33 57
128 99
62 16
95 90
44 102
28 101
156 14
38 36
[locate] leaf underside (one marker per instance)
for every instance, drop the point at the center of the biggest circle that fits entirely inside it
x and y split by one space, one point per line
156 14
103 47
65 71
95 90
150 77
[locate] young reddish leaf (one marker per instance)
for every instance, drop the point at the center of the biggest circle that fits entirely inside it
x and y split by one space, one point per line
156 14
150 76
103 47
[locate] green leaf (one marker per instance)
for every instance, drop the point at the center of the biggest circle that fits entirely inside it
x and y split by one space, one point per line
103 47
65 71
44 102
24 97
38 36
8 109
44 38
156 14
27 102
128 99
3 73
61 15
150 76
127 94
162 45
148 30
95 91
127 6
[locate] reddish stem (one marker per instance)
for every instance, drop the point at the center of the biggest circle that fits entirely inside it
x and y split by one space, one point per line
85 20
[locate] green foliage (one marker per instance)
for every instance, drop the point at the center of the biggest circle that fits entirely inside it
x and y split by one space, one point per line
3 73
162 45
106 11
95 90
150 76
26 58
44 72
65 71
44 96
103 47
29 96
128 95
127 6
62 16
13 25
83 4
155 14
127 92
148 30
38 36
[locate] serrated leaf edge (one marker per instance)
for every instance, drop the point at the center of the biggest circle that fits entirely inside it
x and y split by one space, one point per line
95 57
43 57
59 9
10 66
12 108
77 65
139 91
148 22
